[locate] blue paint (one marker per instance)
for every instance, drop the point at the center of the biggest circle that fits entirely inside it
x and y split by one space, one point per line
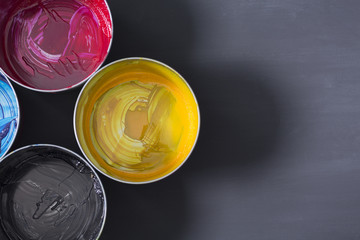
9 115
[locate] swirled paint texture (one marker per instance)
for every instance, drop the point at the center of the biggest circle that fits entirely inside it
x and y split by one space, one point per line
9 115
49 193
137 120
55 44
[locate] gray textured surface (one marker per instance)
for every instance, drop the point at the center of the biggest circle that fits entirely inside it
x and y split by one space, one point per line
278 83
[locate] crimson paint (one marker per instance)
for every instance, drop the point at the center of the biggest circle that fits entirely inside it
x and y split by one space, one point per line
52 45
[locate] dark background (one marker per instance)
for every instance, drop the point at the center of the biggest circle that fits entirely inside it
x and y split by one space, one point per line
278 84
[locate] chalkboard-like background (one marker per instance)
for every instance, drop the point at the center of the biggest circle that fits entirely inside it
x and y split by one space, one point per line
278 84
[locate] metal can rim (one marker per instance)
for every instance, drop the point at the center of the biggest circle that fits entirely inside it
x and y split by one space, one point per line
18 117
82 81
164 65
83 160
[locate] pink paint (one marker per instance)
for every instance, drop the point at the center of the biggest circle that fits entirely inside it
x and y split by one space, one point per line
54 44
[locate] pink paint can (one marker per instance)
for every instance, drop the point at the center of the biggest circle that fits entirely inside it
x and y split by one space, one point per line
53 45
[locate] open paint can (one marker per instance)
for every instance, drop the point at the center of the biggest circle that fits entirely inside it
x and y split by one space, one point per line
53 45
136 120
49 192
9 115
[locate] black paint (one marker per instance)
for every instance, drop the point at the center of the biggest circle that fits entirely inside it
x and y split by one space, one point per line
49 193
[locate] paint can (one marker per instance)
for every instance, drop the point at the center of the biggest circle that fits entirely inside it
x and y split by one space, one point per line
136 120
49 192
53 45
9 115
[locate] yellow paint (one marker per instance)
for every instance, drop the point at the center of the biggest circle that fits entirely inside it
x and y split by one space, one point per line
137 120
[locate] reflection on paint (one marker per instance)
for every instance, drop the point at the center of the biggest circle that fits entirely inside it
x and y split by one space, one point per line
133 124
137 120
56 44
9 114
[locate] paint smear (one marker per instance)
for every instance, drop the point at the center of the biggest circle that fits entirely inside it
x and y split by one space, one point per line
9 115
55 44
49 193
137 120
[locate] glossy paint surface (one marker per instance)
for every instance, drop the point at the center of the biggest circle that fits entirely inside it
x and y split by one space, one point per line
55 44
137 120
9 115
47 192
